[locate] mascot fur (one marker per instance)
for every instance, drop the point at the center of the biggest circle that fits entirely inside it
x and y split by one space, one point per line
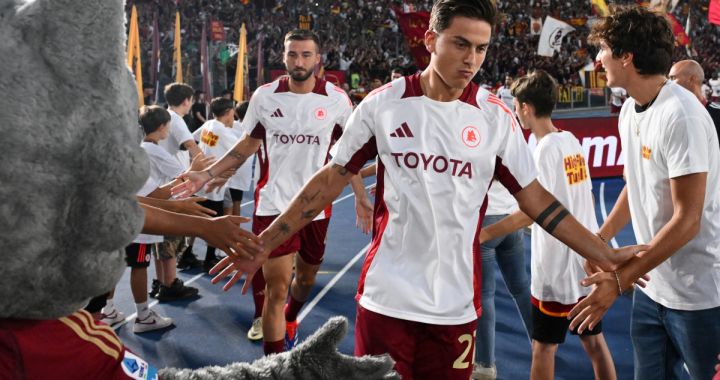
69 175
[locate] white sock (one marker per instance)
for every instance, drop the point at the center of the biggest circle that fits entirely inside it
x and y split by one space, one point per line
109 307
142 310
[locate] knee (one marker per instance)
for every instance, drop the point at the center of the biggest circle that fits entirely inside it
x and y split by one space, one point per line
305 281
276 291
543 349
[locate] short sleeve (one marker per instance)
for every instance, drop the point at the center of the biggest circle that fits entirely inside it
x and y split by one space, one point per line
514 165
165 165
252 124
548 157
179 131
686 146
357 144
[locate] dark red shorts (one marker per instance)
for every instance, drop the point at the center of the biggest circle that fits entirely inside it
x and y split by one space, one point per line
420 350
309 242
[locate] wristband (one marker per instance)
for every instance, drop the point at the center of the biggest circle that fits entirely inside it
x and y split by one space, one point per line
617 277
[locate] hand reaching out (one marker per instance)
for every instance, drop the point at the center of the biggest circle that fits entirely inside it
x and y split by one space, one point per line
364 211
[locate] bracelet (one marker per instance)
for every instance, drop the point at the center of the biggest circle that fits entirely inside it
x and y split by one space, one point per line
617 277
210 174
601 237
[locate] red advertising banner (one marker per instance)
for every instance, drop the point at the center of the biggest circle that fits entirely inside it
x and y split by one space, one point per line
414 25
681 38
335 77
714 12
599 140
217 31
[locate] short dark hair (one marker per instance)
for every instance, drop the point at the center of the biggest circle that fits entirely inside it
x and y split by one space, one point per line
302 35
645 34
241 109
177 93
443 11
398 70
152 118
220 106
538 89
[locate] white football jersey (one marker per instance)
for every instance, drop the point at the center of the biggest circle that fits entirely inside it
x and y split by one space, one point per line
562 170
674 137
163 168
215 139
436 161
297 131
242 179
179 133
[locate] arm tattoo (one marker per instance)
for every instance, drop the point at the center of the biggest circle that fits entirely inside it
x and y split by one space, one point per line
341 169
543 215
284 230
307 199
556 220
237 155
309 214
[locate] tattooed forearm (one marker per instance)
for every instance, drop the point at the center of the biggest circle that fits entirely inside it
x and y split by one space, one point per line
237 156
307 199
341 169
284 230
309 214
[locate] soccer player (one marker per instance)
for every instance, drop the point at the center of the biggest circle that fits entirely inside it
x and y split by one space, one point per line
291 124
556 269
672 173
440 141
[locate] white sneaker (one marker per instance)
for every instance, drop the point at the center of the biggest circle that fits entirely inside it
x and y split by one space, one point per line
255 332
113 318
152 322
484 373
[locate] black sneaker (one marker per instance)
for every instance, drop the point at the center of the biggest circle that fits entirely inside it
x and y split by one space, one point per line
155 288
209 263
176 291
188 260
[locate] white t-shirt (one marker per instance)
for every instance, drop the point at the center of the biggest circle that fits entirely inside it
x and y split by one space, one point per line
500 201
179 133
435 164
215 140
505 95
672 138
242 179
296 132
562 170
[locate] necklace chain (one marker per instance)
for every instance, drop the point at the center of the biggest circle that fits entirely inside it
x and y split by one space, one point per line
634 117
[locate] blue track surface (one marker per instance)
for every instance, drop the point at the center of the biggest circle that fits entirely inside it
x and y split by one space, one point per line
212 329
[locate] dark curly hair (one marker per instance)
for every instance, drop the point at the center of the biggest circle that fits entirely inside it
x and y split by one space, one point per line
645 34
538 89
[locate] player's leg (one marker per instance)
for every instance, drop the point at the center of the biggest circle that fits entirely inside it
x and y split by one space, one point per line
485 343
597 350
377 334
445 352
547 333
655 356
277 272
138 259
696 336
510 256
258 295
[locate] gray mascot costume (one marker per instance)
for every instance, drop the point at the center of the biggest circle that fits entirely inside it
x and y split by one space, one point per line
69 174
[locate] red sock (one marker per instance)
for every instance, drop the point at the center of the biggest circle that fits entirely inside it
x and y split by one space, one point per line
292 308
274 347
258 292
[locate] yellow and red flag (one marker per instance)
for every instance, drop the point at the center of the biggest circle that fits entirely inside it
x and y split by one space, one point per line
133 54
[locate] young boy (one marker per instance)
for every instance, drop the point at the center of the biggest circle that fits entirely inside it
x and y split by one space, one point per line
556 270
216 138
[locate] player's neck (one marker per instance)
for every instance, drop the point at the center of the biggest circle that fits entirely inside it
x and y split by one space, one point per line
304 87
436 89
645 88
541 127
182 111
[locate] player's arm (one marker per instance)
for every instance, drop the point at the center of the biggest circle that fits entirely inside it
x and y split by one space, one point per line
192 147
224 232
554 218
193 181
368 171
189 206
688 197
363 206
506 225
619 217
200 116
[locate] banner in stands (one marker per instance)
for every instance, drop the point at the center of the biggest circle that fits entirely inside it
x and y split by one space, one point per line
335 77
413 26
599 140
217 31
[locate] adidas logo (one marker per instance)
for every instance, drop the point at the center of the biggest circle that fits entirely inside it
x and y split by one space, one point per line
403 131
277 113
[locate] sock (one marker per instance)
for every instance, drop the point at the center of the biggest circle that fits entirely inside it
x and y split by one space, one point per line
258 292
142 310
109 307
292 308
274 347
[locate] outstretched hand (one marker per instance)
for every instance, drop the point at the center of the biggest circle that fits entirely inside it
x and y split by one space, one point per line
192 182
364 211
588 312
192 206
620 257
225 233
236 267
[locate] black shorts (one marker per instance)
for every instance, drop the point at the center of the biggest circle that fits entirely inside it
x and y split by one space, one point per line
550 329
236 194
138 255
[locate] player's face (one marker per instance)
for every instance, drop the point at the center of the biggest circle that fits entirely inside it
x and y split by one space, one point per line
520 113
680 77
300 59
614 67
459 50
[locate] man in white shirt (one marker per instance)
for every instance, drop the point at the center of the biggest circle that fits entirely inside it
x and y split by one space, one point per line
504 93
291 124
690 75
671 196
440 140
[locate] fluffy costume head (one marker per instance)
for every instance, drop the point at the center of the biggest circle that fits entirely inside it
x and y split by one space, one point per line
71 164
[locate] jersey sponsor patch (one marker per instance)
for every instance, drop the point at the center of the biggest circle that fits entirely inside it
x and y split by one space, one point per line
575 168
471 136
209 138
646 152
137 368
